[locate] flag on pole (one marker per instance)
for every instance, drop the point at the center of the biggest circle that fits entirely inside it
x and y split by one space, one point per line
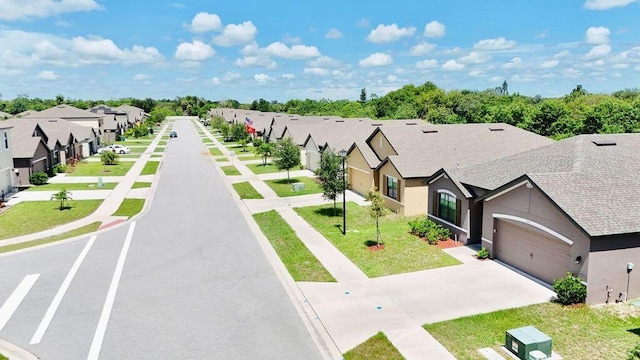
248 121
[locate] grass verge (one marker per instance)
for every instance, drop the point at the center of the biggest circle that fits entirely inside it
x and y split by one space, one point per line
97 169
284 187
222 159
34 216
403 252
73 186
73 233
580 332
215 151
160 149
262 169
230 170
376 347
247 191
299 261
150 168
141 185
129 207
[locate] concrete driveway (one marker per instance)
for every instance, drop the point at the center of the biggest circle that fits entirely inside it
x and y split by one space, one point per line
354 311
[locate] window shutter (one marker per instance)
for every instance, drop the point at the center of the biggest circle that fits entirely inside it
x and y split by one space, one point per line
434 202
458 211
398 190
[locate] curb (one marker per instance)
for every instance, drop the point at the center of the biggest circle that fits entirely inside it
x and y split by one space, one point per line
14 352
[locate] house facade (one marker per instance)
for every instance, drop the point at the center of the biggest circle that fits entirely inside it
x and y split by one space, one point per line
6 160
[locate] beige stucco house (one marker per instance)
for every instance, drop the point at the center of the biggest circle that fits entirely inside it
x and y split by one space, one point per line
6 159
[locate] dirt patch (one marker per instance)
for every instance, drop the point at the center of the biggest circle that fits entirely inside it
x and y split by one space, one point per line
376 247
621 310
449 243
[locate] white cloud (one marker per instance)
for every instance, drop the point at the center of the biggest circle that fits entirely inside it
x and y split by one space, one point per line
434 29
205 22
452 65
475 57
295 52
104 51
571 73
231 75
477 73
427 64
392 78
262 78
288 76
195 51
141 77
363 23
389 33
24 9
597 35
451 52
216 81
324 61
515 63
99 48
47 75
46 50
333 33
239 34
606 4
316 71
260 61
562 54
620 66
377 59
495 44
598 52
421 49
549 64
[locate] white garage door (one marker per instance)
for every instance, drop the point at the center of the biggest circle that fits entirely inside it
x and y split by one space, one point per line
532 251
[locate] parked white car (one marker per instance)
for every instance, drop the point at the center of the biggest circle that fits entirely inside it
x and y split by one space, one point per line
118 149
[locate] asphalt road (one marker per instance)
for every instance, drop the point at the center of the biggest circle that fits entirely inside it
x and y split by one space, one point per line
193 281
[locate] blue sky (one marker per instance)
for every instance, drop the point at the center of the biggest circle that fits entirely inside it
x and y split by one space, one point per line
283 49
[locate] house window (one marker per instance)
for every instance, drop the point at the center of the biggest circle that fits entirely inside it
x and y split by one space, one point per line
392 188
447 207
6 140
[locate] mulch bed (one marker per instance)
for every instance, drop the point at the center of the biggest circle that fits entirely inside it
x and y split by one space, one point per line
449 243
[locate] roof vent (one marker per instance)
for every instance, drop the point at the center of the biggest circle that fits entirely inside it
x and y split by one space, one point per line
604 142
430 131
326 118
495 129
53 120
412 123
339 121
294 119
376 124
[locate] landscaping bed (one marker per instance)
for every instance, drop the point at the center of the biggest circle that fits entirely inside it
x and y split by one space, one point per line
578 332
403 251
284 187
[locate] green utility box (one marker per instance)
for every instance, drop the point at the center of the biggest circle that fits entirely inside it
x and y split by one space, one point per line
524 340
299 186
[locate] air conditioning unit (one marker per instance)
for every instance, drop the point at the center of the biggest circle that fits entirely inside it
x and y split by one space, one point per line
525 340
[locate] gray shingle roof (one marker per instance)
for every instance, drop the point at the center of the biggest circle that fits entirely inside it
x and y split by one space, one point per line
66 112
23 143
597 186
424 149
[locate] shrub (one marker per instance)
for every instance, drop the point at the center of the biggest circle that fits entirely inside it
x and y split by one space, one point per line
109 158
38 178
429 230
483 253
59 168
570 290
257 142
634 354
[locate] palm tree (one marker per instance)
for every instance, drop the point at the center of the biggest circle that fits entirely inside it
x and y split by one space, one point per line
64 196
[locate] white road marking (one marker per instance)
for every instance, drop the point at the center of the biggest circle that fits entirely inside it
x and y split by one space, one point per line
14 300
96 344
51 311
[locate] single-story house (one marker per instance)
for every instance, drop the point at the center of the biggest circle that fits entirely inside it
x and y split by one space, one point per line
571 206
409 155
6 159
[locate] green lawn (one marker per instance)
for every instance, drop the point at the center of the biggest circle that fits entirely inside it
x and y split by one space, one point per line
376 347
284 187
34 216
206 140
134 142
141 185
73 233
97 169
261 169
128 156
299 261
159 149
2 357
230 170
215 151
150 168
403 252
248 158
73 186
129 207
138 150
247 191
222 159
577 332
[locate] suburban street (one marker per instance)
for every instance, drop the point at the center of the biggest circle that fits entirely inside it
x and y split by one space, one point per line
185 280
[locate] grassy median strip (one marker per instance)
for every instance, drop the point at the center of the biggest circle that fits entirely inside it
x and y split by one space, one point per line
129 207
73 186
263 169
578 332
284 187
299 261
97 169
34 216
403 252
247 191
376 347
230 170
150 168
67 235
